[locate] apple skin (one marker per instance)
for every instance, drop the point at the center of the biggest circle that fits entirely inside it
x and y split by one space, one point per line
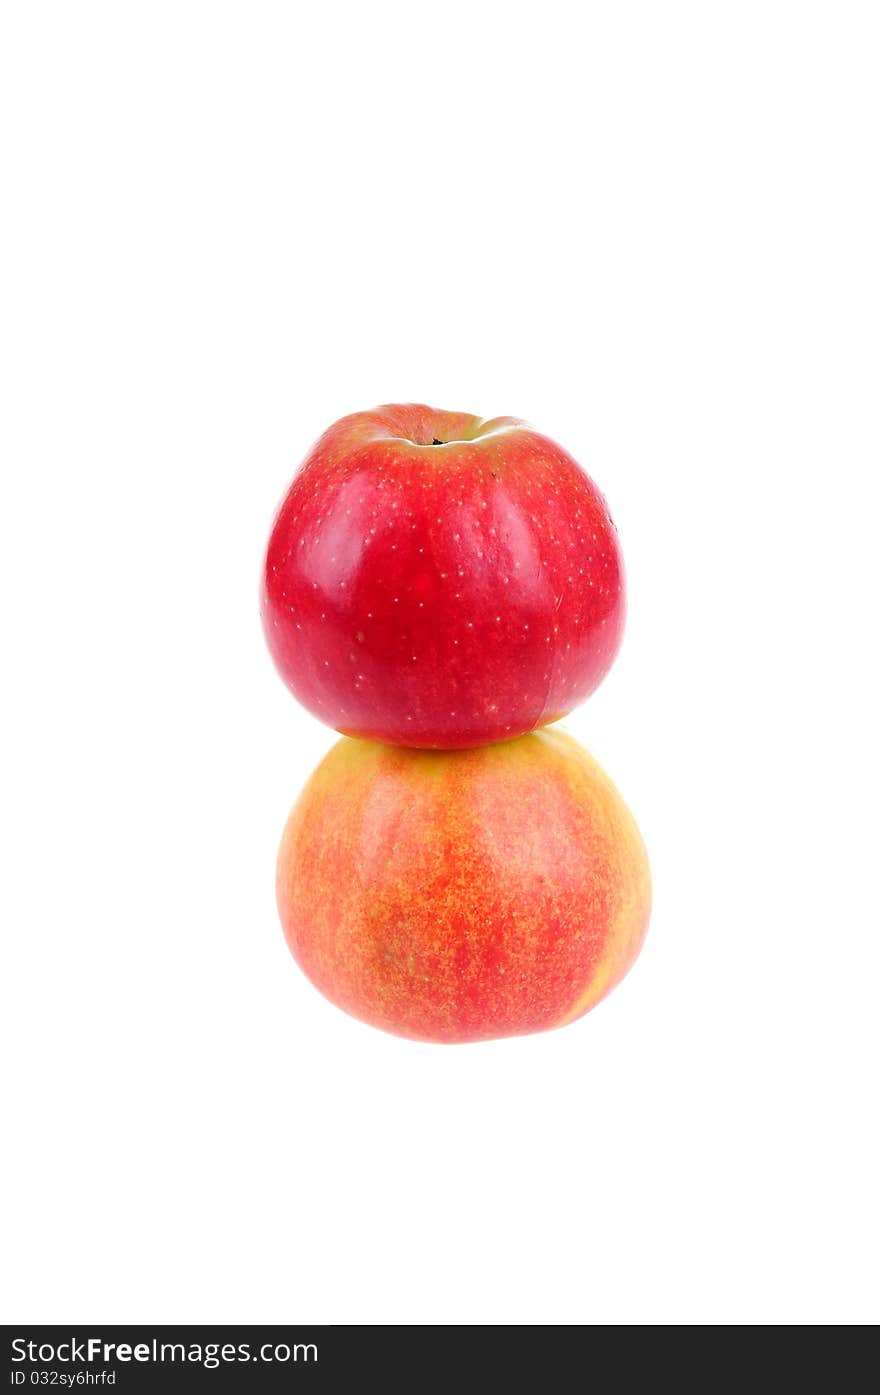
441 596
463 895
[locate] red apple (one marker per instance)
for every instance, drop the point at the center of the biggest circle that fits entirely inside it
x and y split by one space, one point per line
437 580
461 895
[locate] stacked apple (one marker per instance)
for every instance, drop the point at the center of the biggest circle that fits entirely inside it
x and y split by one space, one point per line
437 587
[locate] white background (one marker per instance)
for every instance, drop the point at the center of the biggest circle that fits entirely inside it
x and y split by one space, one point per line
653 231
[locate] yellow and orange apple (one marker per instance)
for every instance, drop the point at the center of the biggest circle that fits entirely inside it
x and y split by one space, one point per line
463 895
